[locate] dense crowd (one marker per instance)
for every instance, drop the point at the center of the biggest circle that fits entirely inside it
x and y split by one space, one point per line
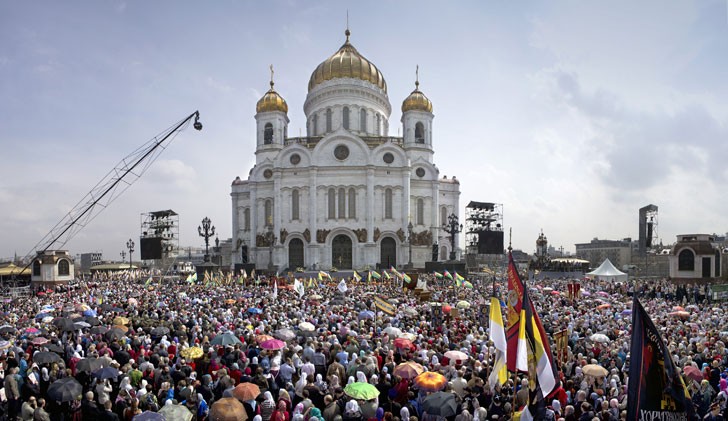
120 348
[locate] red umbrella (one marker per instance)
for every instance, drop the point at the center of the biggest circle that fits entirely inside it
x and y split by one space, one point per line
403 343
272 344
693 373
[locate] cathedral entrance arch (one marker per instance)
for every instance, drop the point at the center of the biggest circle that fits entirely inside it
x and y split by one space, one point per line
341 252
295 254
388 253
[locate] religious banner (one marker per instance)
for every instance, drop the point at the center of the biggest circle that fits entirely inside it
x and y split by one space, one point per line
562 345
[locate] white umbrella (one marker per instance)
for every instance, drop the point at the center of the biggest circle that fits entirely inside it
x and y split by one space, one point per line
407 335
306 326
599 337
392 331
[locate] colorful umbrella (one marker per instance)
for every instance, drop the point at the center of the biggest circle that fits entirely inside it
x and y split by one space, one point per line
429 381
408 370
192 353
403 343
603 306
693 373
39 341
246 391
359 390
272 344
228 409
262 338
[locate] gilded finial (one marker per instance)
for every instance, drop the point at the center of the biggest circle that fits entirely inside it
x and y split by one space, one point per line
271 76
347 32
417 77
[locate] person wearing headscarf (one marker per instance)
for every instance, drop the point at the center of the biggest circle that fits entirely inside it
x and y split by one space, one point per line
314 414
480 414
352 412
267 406
298 413
285 398
404 414
281 412
464 416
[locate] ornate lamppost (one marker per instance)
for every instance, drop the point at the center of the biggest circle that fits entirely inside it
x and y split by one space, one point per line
452 227
206 230
409 242
218 257
130 246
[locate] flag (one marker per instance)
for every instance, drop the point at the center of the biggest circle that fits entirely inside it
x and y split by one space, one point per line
438 275
275 289
513 312
387 275
369 276
375 274
322 275
243 273
384 306
342 286
499 375
298 287
406 278
194 277
189 279
459 277
310 282
533 348
252 274
357 277
656 389
395 272
468 285
447 275
149 281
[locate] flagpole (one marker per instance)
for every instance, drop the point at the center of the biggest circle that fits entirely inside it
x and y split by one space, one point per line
515 373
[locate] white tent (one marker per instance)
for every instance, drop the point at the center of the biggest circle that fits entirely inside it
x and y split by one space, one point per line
607 272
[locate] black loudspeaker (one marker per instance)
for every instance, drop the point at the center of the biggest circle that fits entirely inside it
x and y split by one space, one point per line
490 242
648 241
244 253
151 248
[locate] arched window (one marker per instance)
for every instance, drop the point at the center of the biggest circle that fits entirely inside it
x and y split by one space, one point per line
342 203
63 268
420 220
352 203
419 133
36 268
268 212
268 134
294 205
246 219
379 124
363 120
328 120
443 216
686 260
346 118
388 204
315 125
332 203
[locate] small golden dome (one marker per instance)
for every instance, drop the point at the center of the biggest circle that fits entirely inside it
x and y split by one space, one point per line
417 101
347 63
271 101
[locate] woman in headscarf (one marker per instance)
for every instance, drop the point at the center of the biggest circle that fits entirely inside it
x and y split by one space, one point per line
281 412
267 406
314 414
320 383
298 413
481 414
285 398
361 377
333 384
464 416
404 414
352 412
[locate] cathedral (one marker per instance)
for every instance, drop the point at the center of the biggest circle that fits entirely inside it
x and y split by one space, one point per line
347 195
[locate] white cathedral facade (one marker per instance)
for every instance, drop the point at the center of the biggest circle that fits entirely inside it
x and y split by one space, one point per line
347 195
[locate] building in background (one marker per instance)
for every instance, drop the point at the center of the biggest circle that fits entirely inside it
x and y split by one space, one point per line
346 195
88 260
619 252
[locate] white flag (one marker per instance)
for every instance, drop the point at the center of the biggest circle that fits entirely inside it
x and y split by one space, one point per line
342 286
298 287
275 289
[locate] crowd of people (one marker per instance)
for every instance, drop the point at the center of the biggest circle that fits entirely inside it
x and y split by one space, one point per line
123 348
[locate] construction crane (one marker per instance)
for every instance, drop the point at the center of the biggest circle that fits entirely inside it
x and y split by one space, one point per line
113 185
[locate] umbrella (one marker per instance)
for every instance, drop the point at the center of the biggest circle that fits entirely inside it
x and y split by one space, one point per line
430 381
228 409
407 335
176 412
316 297
81 325
403 343
65 390
262 338
225 339
366 314
92 320
90 313
254 310
462 305
89 364
106 373
46 357
626 312
603 306
392 331
548 289
272 344
678 308
693 373
680 314
149 416
603 293
4 329
246 391
599 337
54 348
42 315
121 328
408 370
160 331
5 345
284 334
363 391
441 404
114 334
306 326
39 341
98 330
121 320
64 323
456 356
410 311
192 353
594 370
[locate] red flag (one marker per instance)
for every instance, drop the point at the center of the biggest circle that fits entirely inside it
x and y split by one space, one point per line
514 302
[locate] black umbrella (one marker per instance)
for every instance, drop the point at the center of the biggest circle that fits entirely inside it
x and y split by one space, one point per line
65 390
442 404
122 357
114 334
89 365
53 348
6 329
106 373
45 357
64 324
98 330
159 331
93 321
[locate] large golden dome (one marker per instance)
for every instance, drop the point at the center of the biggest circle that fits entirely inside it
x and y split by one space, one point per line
417 101
271 101
347 63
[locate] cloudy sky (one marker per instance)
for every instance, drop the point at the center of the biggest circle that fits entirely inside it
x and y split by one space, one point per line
573 115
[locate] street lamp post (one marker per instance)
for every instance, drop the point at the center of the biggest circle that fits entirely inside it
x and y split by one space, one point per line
130 246
452 227
217 251
271 240
409 242
206 230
